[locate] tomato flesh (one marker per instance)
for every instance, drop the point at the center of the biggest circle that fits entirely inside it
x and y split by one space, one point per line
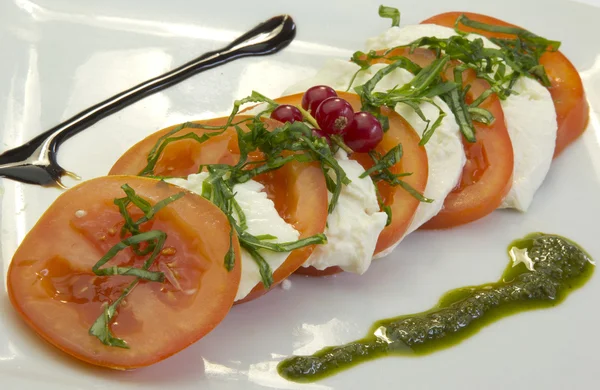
287 187
570 103
52 286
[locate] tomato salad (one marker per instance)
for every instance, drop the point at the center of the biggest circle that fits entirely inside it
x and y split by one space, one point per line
344 167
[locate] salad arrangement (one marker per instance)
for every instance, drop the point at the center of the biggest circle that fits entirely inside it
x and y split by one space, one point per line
428 128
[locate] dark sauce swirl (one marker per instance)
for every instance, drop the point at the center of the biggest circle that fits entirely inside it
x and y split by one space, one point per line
35 161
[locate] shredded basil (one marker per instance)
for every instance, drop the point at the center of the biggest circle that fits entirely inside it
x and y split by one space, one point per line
154 241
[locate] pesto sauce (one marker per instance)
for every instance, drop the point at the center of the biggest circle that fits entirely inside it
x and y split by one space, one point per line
560 266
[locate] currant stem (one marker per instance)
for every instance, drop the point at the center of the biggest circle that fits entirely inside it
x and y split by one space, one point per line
309 118
340 142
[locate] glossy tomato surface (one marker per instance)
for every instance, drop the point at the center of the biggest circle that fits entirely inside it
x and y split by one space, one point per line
52 286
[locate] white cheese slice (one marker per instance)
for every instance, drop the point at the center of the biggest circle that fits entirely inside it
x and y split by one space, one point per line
354 225
261 218
531 120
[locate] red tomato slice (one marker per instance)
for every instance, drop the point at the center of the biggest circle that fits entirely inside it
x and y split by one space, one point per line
487 174
297 189
52 286
414 160
572 109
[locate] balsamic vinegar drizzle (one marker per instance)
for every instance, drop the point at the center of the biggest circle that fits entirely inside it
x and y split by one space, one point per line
35 161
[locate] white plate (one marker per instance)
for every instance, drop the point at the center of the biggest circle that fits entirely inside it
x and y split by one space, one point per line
60 56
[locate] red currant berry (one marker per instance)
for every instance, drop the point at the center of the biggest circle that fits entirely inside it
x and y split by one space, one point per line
364 133
286 113
334 115
315 95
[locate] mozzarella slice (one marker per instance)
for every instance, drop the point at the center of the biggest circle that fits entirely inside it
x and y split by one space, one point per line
354 225
444 149
261 218
531 120
398 36
529 114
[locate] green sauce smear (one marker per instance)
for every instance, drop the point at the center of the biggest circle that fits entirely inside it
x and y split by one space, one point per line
559 267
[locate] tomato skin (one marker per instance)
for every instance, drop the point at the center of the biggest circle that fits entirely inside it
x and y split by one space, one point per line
414 160
286 187
52 287
487 174
570 103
